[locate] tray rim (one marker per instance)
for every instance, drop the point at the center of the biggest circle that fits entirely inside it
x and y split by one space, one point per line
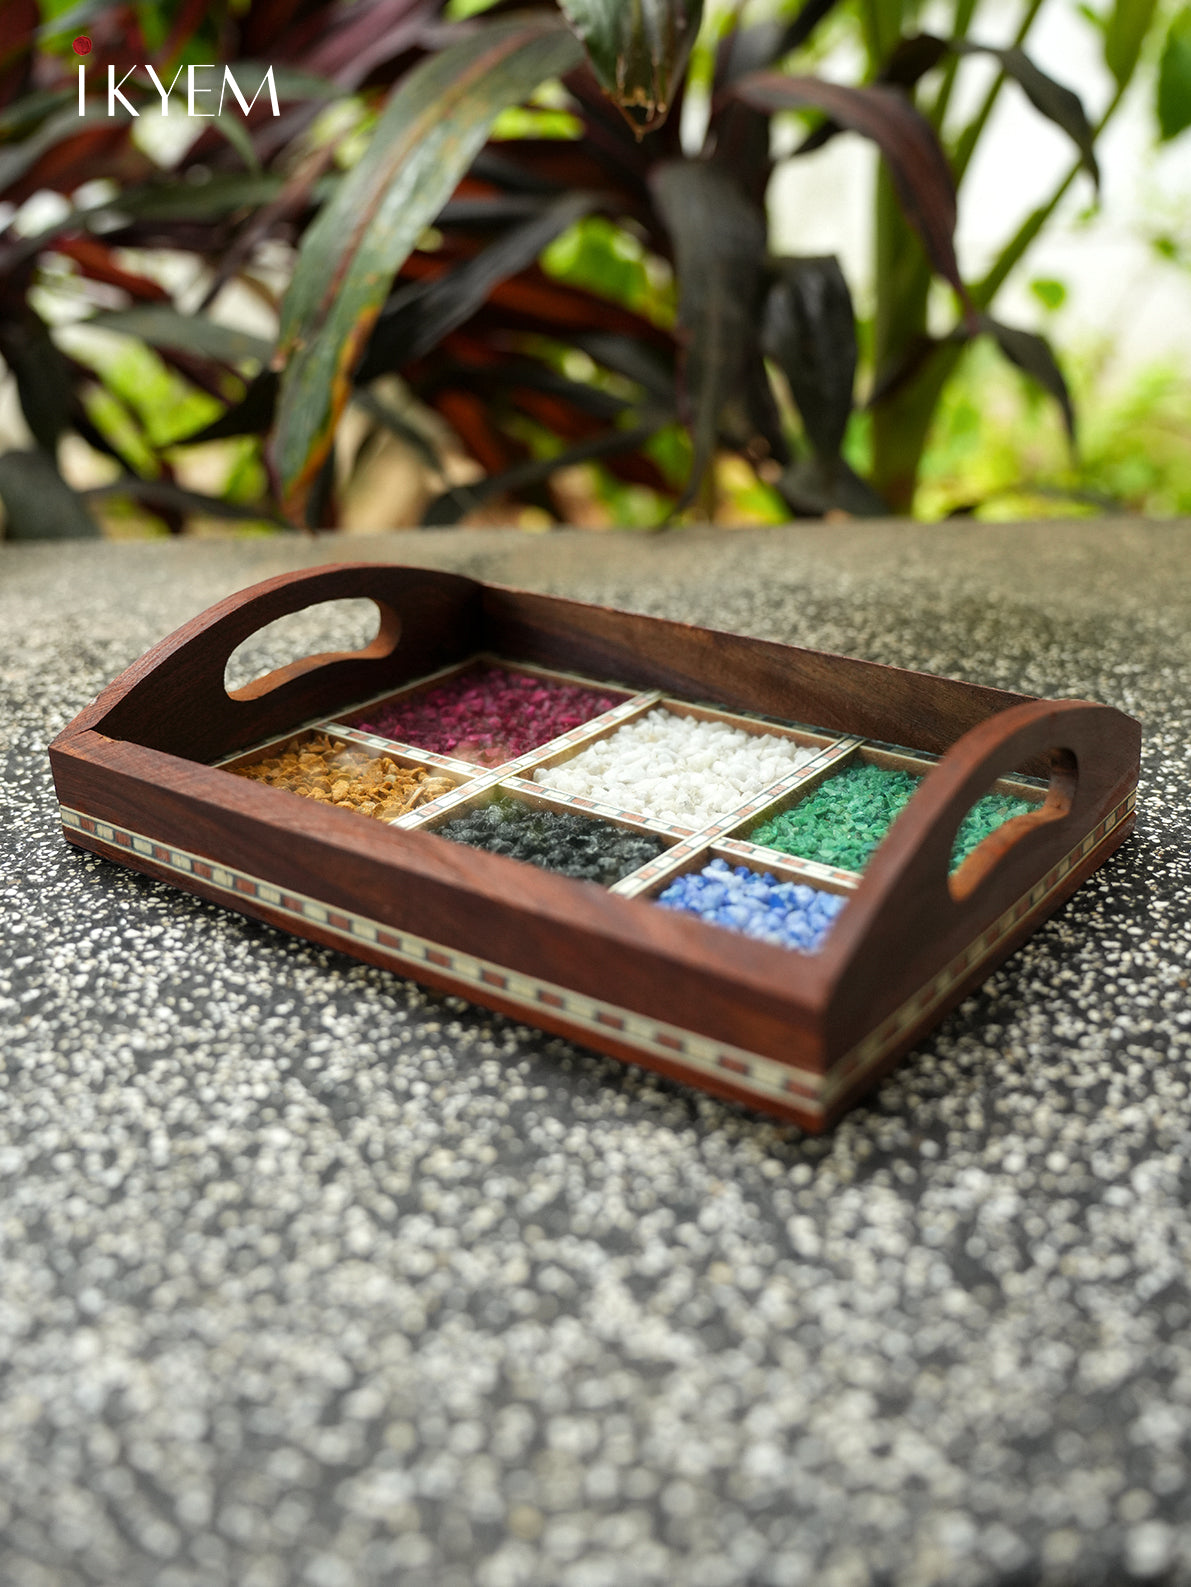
109 776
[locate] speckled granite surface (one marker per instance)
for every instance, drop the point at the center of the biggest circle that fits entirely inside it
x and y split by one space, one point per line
309 1277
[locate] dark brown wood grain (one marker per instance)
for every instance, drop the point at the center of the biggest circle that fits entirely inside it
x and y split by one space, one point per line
573 933
906 918
808 686
136 759
174 698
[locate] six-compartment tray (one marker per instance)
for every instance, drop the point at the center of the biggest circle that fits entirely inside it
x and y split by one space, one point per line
164 773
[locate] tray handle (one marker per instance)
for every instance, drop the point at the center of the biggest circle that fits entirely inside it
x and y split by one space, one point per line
909 910
174 698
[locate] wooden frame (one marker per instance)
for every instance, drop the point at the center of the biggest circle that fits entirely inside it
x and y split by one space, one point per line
800 1036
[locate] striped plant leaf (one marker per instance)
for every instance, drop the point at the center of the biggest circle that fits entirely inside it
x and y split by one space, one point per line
431 130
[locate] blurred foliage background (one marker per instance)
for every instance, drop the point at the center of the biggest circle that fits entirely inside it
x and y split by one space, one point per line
590 322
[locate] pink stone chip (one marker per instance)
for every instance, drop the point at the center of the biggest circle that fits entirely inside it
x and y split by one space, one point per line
486 715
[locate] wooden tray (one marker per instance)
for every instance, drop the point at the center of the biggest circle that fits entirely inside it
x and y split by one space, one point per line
797 1035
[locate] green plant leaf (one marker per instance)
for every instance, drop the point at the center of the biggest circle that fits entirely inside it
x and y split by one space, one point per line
1033 356
38 503
1174 79
237 134
162 202
719 251
1128 23
809 330
638 50
917 165
1050 293
31 109
431 129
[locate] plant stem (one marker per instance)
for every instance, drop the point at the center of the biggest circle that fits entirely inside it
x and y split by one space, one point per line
965 10
986 290
883 25
902 423
872 31
970 136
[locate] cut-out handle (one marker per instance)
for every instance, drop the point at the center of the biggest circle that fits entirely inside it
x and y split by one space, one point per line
909 908
174 699
989 852
388 632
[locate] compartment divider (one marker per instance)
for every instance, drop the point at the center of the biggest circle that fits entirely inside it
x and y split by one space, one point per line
786 867
447 804
581 805
573 740
567 744
815 772
755 725
656 874
398 747
918 763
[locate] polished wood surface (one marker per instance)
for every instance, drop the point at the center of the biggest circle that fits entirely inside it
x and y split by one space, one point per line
137 758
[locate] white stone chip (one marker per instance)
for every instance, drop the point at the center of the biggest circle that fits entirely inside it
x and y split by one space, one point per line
679 769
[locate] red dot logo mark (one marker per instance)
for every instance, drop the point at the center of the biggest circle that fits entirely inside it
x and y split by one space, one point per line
82 45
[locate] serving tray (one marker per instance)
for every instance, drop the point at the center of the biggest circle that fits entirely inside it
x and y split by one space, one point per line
150 775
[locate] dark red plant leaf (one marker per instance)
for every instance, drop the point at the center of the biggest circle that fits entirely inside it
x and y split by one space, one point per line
738 143
1033 355
468 416
252 415
719 241
172 502
454 504
814 486
533 302
809 330
95 261
419 316
365 36
911 58
80 157
651 365
190 17
916 55
41 374
492 375
19 21
917 164
804 24
270 23
761 435
610 137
